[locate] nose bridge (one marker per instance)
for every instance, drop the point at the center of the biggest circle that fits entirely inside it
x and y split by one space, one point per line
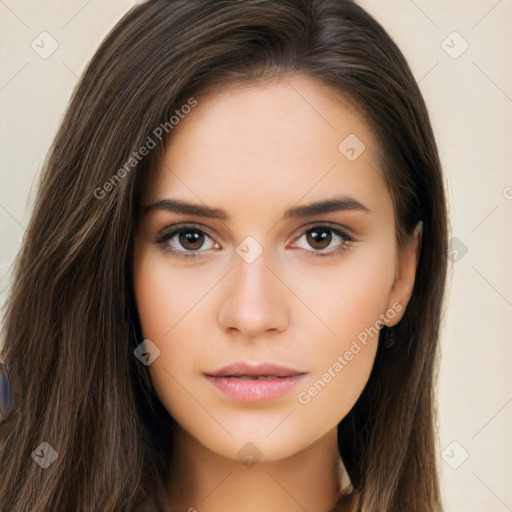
253 302
252 276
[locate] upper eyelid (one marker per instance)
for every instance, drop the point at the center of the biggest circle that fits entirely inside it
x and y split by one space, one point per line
182 226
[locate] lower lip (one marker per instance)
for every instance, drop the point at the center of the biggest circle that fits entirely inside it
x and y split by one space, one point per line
255 390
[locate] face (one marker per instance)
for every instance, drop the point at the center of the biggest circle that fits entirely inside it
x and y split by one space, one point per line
257 281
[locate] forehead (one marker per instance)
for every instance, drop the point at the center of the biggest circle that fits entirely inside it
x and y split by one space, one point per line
273 142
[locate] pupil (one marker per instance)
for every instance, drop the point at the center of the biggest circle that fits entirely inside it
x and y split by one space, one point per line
319 236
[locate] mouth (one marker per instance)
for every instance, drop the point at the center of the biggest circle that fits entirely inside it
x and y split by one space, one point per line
245 382
242 369
259 377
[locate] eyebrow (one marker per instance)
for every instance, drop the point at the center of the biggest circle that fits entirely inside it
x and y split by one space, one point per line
335 204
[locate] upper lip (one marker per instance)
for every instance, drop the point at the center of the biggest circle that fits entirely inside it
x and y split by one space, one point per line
254 370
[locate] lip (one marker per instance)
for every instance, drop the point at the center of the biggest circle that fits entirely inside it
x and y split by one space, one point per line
254 370
283 381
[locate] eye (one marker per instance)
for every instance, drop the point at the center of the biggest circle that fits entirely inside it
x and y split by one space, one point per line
322 236
185 240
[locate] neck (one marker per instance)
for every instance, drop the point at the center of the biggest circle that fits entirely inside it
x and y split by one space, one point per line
203 481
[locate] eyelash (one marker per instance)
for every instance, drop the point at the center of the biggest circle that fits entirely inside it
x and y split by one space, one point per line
168 233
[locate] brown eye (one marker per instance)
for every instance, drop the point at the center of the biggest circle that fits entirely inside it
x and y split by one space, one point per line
191 239
187 241
319 238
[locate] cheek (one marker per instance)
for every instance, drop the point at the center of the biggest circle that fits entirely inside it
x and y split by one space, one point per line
349 299
346 297
331 392
165 294
169 300
360 298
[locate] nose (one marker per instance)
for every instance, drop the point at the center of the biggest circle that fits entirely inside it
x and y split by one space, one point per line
253 300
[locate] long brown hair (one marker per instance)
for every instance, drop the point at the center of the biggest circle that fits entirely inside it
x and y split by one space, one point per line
70 323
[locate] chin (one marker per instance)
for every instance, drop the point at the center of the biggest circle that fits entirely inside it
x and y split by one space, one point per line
253 441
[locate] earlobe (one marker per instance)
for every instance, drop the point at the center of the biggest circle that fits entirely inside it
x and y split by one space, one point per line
406 265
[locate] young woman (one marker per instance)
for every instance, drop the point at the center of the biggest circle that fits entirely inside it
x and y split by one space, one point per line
230 292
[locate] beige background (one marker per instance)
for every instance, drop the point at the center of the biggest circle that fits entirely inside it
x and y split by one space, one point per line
469 94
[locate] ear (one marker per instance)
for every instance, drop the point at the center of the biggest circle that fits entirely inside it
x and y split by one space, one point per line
405 273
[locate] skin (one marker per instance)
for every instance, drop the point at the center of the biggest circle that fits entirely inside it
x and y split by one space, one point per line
254 152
